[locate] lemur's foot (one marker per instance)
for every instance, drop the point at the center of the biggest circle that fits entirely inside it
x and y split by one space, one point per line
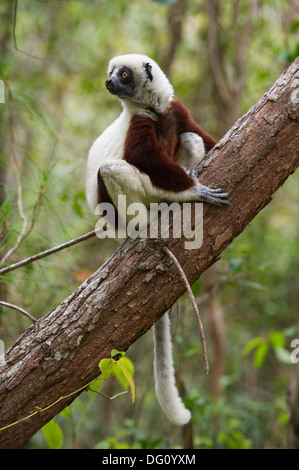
216 197
213 196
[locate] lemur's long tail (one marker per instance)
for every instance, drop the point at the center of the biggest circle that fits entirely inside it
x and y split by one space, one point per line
166 391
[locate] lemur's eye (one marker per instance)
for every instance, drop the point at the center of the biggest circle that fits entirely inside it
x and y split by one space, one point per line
110 73
124 75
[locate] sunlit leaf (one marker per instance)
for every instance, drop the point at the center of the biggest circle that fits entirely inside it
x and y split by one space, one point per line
66 412
115 352
277 339
119 373
257 341
129 379
53 434
260 355
106 366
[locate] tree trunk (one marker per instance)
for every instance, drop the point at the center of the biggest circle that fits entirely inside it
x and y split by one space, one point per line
216 328
124 297
293 425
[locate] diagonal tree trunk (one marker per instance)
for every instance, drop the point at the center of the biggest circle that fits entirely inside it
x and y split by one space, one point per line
124 297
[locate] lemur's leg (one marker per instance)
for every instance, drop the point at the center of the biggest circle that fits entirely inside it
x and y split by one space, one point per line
121 177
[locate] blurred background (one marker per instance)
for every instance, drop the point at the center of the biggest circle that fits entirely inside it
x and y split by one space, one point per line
221 57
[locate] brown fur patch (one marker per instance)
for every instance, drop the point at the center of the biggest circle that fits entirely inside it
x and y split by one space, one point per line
185 123
143 150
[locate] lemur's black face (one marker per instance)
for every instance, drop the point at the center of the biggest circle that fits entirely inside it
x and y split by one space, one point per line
121 82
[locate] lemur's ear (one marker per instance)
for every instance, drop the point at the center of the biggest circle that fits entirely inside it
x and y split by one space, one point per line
148 69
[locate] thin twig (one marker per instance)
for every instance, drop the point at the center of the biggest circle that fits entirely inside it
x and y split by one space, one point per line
45 253
40 410
15 37
25 231
24 234
18 309
36 208
107 396
19 181
198 317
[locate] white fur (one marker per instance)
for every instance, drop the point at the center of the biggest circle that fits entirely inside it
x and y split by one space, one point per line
156 94
166 390
109 146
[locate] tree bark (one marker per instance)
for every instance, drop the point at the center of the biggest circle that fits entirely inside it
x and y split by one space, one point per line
124 297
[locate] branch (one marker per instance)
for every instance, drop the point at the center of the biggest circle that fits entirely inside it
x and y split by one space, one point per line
18 309
242 38
48 252
138 283
176 17
15 37
214 53
198 317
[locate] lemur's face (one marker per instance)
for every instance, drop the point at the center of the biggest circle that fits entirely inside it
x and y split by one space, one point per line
139 80
126 83
121 82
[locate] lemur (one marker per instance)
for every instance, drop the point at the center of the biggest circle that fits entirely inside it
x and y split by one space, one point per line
148 154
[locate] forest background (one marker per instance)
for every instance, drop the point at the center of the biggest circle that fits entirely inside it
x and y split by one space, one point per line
221 57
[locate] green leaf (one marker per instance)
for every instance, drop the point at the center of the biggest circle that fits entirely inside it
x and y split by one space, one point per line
53 434
294 27
253 343
290 331
67 412
115 352
277 339
119 374
96 383
106 366
129 379
283 355
122 368
260 355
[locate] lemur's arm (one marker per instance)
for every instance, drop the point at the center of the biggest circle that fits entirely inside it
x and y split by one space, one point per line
185 123
143 151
